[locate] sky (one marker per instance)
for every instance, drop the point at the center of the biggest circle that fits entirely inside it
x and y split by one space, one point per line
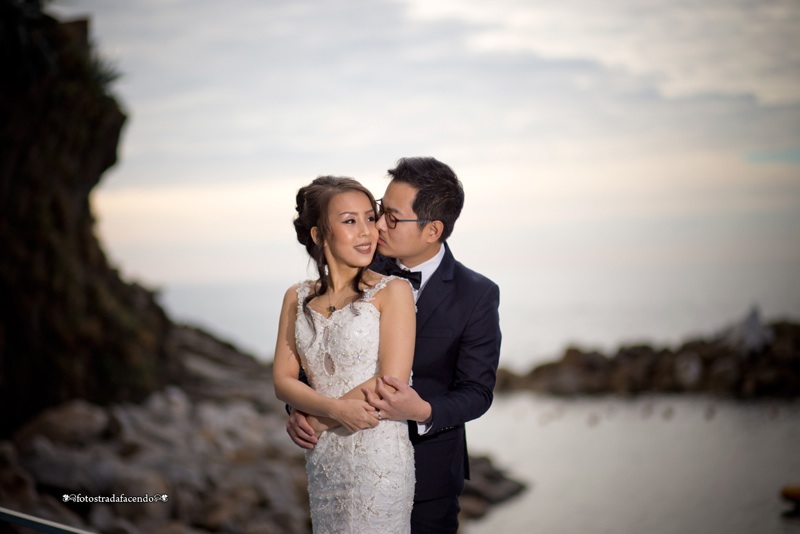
597 142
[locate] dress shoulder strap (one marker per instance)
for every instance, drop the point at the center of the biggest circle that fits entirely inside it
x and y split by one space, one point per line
370 293
303 289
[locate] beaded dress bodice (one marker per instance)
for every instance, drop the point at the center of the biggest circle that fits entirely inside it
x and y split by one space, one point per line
360 482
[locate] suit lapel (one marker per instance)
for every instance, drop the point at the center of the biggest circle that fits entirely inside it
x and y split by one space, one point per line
436 289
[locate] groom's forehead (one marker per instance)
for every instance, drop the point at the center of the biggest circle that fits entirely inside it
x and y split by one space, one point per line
399 195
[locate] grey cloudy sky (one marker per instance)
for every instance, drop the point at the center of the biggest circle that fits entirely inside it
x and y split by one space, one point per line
627 134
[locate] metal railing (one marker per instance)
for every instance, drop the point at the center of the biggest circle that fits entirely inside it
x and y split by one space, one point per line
37 523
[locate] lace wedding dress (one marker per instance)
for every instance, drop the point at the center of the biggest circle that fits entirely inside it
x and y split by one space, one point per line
361 482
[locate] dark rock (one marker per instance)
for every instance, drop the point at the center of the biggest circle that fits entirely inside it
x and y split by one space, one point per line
555 378
211 369
509 381
18 491
142 482
577 372
632 370
724 375
785 345
73 423
688 371
17 487
70 327
748 336
103 518
487 486
750 359
664 379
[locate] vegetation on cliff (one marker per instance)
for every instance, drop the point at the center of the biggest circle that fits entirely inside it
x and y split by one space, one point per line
70 326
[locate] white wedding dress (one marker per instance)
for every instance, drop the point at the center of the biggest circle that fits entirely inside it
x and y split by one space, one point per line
361 482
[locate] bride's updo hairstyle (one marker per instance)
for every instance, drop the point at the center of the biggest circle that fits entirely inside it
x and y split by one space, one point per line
313 201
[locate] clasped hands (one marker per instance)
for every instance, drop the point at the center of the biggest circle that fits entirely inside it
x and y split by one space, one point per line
391 400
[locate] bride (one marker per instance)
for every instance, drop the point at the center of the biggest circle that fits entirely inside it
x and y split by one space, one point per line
345 329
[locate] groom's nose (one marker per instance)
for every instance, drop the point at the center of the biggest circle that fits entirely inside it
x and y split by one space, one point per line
380 224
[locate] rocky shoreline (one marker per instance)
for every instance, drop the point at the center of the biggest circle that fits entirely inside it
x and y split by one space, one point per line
214 443
748 360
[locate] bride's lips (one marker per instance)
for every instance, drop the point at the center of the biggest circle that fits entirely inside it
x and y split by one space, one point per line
364 248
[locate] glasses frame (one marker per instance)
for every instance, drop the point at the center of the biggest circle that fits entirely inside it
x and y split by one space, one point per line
391 220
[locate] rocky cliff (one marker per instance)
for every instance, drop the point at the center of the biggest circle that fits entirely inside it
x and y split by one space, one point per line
69 326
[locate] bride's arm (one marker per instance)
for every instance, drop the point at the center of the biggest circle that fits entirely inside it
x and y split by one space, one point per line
397 335
354 414
397 339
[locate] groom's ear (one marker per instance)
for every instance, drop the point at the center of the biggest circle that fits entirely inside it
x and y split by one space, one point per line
433 231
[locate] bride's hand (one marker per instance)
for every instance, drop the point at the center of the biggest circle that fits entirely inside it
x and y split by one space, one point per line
356 415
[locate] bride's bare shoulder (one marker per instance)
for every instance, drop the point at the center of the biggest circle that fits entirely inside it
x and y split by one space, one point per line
291 295
371 278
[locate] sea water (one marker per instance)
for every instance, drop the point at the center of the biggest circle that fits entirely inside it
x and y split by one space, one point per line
654 464
542 312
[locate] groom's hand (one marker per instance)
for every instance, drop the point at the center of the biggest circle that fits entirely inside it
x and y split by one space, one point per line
300 430
397 400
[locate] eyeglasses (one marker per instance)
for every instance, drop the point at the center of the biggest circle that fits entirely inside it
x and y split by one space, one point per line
391 220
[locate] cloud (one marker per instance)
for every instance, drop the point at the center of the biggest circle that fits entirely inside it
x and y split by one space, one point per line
253 87
568 123
201 232
686 49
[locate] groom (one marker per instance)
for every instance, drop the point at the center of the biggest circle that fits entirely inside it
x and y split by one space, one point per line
457 344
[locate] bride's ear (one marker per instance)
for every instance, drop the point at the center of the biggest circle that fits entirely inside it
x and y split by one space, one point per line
315 235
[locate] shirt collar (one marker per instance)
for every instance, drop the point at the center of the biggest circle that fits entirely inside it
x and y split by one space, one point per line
426 268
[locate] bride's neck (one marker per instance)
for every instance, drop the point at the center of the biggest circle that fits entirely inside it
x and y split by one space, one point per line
340 278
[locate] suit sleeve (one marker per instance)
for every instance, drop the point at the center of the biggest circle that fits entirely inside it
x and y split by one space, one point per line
476 367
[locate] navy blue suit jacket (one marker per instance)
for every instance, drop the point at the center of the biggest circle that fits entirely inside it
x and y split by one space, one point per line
455 366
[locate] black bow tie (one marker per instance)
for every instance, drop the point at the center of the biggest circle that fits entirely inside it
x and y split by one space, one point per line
414 277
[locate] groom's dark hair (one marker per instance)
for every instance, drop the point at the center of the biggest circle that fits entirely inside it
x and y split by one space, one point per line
440 195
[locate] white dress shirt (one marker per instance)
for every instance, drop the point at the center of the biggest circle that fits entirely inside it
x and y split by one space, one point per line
426 269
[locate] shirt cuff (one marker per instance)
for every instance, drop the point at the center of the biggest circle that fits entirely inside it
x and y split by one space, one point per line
425 426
